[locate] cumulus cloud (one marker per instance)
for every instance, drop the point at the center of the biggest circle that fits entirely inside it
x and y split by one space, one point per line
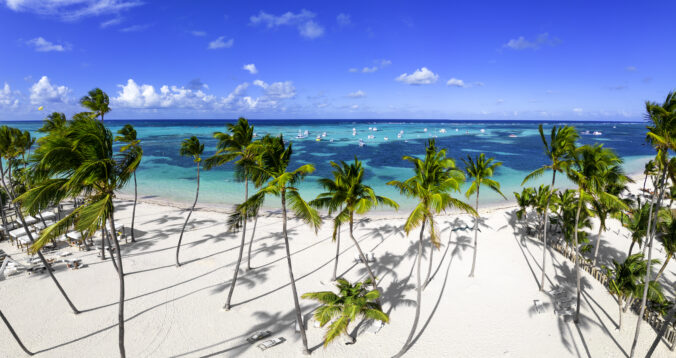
303 21
382 63
221 43
277 90
455 82
197 84
42 45
358 94
369 69
8 99
421 76
343 19
521 43
251 68
72 10
43 91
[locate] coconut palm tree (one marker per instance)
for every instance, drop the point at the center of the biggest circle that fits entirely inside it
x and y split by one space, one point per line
435 178
587 170
613 181
524 200
351 302
480 169
81 161
347 194
16 337
10 151
275 160
190 147
636 221
236 145
127 135
662 136
54 121
561 143
667 234
96 101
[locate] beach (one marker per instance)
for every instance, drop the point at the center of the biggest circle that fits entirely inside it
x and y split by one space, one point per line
177 312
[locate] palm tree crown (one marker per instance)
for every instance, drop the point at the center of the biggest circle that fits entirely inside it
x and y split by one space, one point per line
96 101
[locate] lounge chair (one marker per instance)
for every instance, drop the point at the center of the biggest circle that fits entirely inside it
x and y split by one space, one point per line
271 343
258 336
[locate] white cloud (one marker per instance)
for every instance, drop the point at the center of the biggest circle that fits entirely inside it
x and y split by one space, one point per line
277 90
421 76
577 110
111 22
8 98
42 45
43 91
343 19
382 63
456 82
220 43
198 33
145 96
358 94
303 21
72 10
369 69
521 43
135 28
251 68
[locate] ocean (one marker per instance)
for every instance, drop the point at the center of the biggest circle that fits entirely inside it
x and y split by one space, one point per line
165 175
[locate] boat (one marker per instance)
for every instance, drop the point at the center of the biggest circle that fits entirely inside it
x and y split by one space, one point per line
399 135
323 134
361 143
385 138
319 138
306 133
512 136
442 130
375 129
596 133
300 135
425 130
482 130
456 129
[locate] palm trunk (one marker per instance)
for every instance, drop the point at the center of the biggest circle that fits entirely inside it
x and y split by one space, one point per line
133 210
598 244
429 267
110 245
197 193
103 243
418 293
619 306
4 217
651 233
120 273
241 249
16 337
299 316
476 232
253 233
631 247
361 254
10 193
659 273
544 233
575 257
335 264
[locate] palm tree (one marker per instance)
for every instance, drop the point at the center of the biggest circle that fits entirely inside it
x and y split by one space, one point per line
347 194
662 136
667 230
54 121
274 163
435 177
190 147
127 135
524 200
96 101
236 145
625 279
350 303
614 182
636 221
587 170
561 142
16 337
10 151
481 170
80 161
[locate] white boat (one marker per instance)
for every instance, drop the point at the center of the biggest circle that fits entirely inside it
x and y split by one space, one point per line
361 143
370 128
300 134
306 133
425 130
385 138
512 136
323 134
375 129
597 133
399 135
482 130
456 129
442 130
319 138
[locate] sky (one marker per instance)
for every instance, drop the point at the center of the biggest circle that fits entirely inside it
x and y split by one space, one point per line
174 59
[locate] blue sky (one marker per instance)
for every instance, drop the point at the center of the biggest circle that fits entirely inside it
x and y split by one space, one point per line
573 60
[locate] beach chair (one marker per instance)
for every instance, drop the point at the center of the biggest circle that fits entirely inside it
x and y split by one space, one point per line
539 307
375 327
271 343
258 336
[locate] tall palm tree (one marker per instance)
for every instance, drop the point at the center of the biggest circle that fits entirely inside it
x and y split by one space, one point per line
190 147
274 163
10 151
561 143
524 200
587 170
667 230
435 178
347 194
662 136
636 221
96 101
480 170
238 146
127 135
613 181
16 336
350 303
54 121
81 161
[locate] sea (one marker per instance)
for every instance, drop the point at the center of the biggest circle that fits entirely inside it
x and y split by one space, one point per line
164 175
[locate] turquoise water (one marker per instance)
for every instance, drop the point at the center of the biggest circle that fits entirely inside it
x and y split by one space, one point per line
165 175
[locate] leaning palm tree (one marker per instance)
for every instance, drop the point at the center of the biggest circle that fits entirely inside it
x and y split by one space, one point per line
127 135
96 101
625 278
344 307
561 142
346 195
10 151
54 121
190 147
587 171
480 170
238 146
435 178
81 161
613 181
274 163
636 221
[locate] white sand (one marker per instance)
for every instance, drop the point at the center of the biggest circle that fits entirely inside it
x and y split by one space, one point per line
177 311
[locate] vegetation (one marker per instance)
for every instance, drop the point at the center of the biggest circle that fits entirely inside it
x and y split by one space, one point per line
132 144
191 147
